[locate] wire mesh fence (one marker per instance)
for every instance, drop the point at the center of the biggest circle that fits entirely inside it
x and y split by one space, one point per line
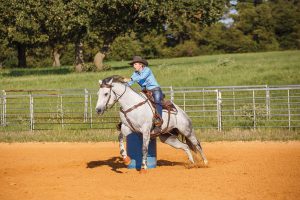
221 108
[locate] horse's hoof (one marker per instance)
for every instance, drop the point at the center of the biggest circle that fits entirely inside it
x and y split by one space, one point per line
143 171
205 162
127 160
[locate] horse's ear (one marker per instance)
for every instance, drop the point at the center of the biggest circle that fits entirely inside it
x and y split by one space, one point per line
100 82
110 82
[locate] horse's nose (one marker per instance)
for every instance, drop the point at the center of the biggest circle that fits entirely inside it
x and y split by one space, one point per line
98 110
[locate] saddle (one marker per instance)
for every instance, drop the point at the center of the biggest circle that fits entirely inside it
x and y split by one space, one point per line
166 105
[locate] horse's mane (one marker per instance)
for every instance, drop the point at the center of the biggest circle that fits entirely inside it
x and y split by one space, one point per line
119 79
115 78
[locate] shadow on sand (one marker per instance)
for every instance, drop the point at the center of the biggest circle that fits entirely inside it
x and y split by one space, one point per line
116 163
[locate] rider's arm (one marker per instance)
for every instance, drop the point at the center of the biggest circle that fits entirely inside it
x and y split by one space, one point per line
143 75
131 81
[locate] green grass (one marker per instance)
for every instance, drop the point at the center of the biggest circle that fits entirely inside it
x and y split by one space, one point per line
59 136
112 135
272 68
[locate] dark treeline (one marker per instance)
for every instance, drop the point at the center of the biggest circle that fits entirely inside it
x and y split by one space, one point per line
75 32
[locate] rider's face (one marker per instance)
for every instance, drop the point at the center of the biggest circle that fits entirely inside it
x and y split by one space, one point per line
138 66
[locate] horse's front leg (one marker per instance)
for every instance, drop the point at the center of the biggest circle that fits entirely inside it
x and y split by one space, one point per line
146 140
124 132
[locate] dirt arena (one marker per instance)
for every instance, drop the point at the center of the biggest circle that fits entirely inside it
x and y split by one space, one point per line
237 170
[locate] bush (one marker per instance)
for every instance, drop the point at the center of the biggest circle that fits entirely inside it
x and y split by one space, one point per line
123 48
188 48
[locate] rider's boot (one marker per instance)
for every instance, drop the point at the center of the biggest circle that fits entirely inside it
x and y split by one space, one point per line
157 127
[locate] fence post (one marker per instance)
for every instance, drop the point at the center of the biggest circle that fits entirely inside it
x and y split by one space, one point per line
86 104
172 93
184 101
219 109
31 106
61 111
233 95
203 102
254 111
3 115
268 102
91 112
289 109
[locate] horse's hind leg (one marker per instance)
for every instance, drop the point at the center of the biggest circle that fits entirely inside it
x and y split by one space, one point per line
192 138
173 141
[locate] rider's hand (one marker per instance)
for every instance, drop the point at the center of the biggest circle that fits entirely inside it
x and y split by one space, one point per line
126 79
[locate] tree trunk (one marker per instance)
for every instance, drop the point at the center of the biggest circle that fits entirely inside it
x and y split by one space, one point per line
56 57
21 56
79 62
98 61
99 57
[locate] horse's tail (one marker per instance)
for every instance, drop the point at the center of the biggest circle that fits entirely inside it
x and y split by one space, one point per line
183 139
191 146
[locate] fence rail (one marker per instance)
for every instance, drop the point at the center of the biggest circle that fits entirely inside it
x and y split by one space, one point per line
220 108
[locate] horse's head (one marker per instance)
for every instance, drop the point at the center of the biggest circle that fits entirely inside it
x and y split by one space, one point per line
106 97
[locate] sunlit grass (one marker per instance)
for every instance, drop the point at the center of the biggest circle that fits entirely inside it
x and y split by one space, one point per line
272 68
112 135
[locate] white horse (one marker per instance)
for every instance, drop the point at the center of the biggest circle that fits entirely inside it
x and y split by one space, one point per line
136 114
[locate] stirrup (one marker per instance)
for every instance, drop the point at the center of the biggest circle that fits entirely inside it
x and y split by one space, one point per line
155 132
157 121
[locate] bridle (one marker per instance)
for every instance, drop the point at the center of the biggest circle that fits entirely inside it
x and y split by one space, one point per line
103 85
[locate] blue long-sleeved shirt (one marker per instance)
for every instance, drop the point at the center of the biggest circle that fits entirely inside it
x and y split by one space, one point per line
144 78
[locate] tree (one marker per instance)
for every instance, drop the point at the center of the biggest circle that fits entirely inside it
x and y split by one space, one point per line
258 23
78 25
65 23
110 19
22 28
32 23
124 47
188 18
286 15
57 27
38 23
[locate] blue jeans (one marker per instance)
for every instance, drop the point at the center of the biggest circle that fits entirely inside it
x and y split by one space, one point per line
158 97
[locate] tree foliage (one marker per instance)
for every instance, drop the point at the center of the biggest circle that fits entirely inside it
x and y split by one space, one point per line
111 19
20 22
286 15
119 29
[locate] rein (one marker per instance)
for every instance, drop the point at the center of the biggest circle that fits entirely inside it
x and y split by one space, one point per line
117 99
131 109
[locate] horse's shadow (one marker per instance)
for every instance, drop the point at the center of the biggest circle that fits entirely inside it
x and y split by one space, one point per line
116 163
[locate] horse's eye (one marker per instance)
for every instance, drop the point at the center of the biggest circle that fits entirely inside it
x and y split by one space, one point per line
105 94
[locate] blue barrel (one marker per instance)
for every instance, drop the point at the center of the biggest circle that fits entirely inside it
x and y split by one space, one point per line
134 145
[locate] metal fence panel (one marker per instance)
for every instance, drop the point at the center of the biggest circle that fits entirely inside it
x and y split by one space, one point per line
220 108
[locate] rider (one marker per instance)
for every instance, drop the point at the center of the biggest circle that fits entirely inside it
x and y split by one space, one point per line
145 78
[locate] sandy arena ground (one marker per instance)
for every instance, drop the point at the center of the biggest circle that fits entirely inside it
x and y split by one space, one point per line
237 170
